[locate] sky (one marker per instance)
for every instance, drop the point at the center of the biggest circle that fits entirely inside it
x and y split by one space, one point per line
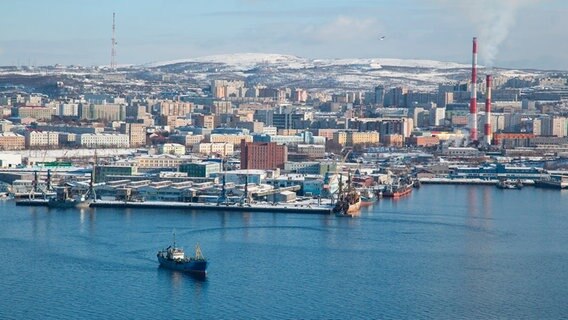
511 33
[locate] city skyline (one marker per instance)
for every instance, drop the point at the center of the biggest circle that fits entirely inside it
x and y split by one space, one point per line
516 34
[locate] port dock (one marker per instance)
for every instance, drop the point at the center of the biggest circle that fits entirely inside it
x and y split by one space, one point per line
255 207
467 181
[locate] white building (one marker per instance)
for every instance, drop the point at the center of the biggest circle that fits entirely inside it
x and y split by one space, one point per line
103 140
271 131
10 160
41 139
437 116
68 110
171 148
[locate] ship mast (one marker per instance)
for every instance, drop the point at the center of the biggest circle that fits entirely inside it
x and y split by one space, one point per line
223 198
91 191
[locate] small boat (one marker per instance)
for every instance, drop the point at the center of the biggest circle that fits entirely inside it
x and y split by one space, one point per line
509 184
368 197
174 258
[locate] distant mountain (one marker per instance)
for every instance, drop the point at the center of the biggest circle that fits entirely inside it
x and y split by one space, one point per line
280 70
243 61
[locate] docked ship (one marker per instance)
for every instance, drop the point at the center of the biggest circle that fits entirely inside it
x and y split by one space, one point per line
553 182
348 201
368 197
509 184
398 190
174 258
64 199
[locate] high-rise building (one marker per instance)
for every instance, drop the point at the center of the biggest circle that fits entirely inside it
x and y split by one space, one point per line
263 155
204 121
136 133
437 116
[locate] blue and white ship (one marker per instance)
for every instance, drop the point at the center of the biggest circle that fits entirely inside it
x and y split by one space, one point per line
174 258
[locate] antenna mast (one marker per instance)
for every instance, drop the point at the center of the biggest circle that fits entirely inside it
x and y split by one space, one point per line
113 51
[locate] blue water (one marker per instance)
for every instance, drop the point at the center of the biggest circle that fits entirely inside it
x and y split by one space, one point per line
445 252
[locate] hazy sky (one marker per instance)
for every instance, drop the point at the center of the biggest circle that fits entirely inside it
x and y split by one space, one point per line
512 33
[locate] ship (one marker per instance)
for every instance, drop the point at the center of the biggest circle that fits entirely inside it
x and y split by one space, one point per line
398 190
509 184
553 182
63 199
348 201
174 258
368 196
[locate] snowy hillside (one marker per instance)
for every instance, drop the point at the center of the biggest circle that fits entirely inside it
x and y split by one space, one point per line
278 70
244 61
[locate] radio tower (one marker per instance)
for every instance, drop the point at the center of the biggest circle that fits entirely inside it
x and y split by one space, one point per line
113 51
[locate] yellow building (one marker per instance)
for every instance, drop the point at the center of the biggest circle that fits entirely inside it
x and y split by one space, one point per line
351 138
230 138
12 141
136 133
40 113
176 108
204 121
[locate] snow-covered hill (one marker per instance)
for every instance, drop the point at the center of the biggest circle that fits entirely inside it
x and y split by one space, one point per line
280 70
244 61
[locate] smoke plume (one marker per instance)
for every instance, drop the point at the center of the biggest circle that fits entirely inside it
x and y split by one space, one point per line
494 20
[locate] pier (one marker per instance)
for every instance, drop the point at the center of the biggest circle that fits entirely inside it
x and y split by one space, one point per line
255 207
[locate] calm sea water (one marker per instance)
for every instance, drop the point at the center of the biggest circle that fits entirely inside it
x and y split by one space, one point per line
445 252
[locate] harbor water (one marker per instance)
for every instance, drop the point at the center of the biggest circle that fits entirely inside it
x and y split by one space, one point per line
443 252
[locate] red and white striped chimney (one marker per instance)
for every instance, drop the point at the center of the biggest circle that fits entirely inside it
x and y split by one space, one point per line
488 133
473 96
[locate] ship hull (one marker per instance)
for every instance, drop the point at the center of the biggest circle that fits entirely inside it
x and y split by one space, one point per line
354 208
192 266
66 204
398 193
367 201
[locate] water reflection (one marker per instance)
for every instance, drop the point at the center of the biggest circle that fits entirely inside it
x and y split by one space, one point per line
180 280
479 215
87 218
472 219
41 222
487 207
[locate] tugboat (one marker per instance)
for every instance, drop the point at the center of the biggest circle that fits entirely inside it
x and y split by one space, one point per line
174 258
348 201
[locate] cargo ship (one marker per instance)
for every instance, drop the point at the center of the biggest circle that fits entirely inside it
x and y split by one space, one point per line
174 258
348 201
397 191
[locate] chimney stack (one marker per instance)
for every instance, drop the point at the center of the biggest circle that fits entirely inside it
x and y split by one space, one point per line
488 133
473 96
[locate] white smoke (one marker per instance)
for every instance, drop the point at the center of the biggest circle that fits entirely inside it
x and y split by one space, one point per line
494 20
